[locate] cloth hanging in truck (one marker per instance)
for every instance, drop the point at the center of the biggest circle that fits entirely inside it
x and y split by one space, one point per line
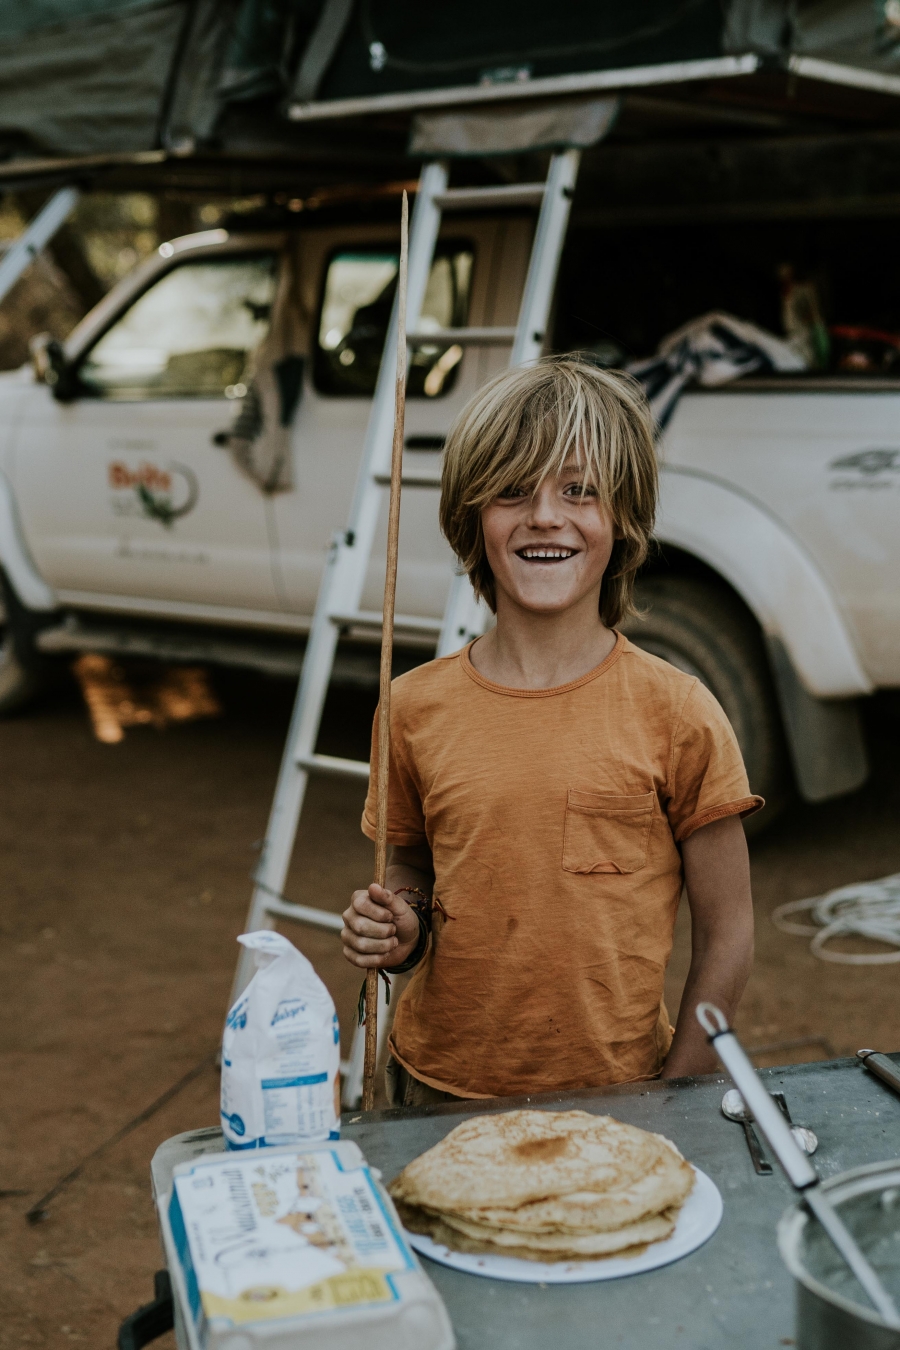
712 350
259 439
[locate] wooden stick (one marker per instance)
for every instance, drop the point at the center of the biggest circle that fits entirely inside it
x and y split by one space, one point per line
387 650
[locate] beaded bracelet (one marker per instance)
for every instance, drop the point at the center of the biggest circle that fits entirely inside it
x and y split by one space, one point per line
421 907
421 904
425 904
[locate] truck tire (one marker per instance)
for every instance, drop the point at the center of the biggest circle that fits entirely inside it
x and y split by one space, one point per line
700 628
23 671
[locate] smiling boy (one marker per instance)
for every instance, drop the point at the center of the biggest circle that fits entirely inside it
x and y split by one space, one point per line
553 787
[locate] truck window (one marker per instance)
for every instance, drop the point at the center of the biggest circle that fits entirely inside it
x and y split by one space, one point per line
356 308
191 335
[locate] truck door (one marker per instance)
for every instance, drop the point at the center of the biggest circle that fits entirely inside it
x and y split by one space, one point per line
349 277
122 492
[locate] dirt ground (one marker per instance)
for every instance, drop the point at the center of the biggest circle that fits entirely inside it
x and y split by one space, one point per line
125 878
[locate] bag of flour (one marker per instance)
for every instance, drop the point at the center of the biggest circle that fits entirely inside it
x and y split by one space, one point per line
280 1052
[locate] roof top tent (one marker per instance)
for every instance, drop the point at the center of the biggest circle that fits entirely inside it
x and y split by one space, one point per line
248 95
748 134
738 122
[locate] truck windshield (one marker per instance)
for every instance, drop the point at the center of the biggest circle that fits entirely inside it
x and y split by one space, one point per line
356 309
191 335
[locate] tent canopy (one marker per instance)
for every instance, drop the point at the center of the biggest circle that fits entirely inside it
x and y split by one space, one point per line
248 95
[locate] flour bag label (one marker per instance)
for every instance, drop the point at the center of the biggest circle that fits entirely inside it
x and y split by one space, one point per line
280 1052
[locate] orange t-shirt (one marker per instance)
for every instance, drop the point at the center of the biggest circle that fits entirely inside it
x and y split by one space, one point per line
553 817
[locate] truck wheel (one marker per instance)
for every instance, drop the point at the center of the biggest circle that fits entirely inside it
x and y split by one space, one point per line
699 628
23 671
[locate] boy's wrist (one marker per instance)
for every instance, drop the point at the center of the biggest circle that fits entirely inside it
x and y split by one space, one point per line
416 951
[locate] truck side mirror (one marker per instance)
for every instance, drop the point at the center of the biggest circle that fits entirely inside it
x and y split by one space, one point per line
51 367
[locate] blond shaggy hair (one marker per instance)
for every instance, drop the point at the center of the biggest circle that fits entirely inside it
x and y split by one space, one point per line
522 426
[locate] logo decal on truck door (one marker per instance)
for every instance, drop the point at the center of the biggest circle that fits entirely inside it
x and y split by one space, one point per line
158 494
866 469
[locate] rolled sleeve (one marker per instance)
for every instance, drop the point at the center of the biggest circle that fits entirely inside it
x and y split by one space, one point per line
707 779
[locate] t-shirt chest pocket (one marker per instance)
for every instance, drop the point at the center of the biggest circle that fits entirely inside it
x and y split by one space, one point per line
605 833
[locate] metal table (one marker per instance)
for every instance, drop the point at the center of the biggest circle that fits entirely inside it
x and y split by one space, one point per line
734 1290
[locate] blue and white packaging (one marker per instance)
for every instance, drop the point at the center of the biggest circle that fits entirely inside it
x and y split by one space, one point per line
280 1053
290 1249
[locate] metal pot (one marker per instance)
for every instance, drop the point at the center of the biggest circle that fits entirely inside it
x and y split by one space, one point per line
832 1312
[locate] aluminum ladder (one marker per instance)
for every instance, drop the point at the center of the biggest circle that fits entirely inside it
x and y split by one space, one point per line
342 583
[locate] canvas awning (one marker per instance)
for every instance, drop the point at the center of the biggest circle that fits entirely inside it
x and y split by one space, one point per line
229 95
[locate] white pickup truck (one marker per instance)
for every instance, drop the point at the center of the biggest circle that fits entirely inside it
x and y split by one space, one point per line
126 527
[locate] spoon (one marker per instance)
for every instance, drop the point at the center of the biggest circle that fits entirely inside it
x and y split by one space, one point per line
806 1139
735 1108
803 1137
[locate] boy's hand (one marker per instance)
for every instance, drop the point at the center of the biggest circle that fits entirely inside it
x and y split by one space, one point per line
380 929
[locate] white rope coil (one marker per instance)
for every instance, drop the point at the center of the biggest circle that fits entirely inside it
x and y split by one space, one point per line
869 909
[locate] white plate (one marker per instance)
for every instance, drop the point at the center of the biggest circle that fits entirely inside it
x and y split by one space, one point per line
700 1216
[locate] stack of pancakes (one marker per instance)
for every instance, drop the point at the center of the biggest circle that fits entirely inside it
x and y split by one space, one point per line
545 1185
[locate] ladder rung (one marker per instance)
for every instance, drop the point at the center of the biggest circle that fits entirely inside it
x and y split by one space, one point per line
319 918
341 768
373 618
472 337
409 481
506 194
